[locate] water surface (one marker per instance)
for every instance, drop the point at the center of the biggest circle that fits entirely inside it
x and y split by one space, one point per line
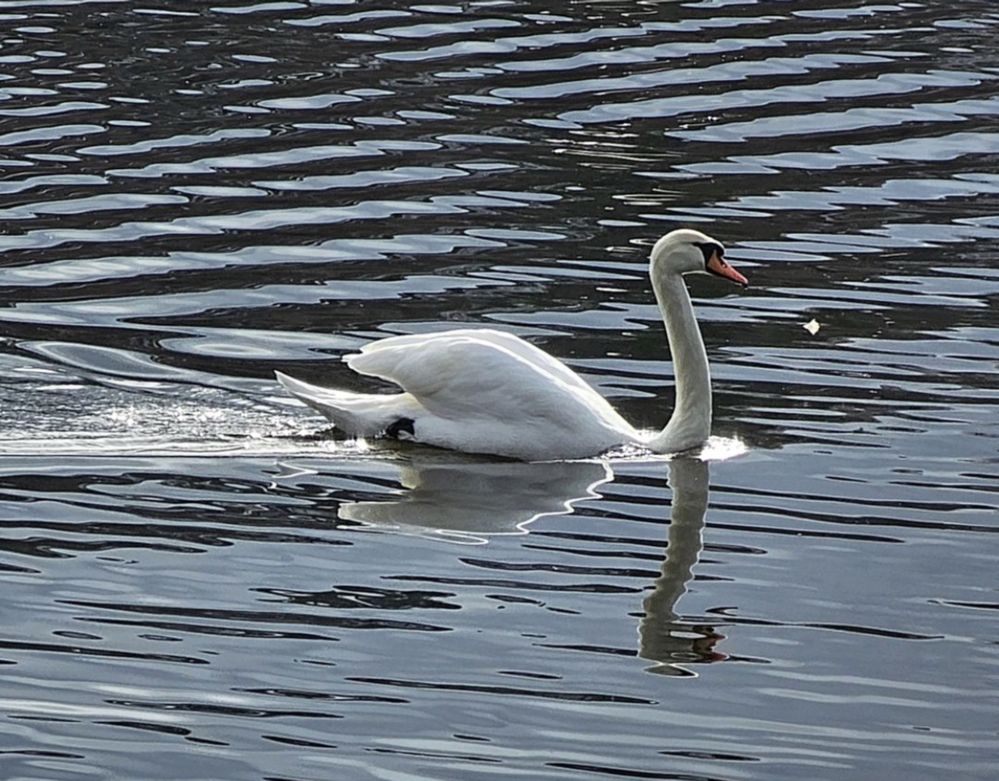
200 583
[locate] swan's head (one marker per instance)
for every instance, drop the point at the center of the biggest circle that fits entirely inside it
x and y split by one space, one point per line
688 251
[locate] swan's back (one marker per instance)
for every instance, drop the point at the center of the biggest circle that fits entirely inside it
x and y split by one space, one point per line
500 339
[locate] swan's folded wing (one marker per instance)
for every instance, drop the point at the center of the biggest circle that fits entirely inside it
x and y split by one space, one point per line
459 375
501 339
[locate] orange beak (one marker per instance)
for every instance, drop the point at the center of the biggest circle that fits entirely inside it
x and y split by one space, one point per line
717 265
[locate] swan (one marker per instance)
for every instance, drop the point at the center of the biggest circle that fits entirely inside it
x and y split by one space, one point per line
490 392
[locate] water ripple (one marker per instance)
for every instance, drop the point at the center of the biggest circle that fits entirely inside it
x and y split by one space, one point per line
193 564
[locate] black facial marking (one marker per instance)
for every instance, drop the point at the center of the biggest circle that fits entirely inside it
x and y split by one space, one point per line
400 426
708 248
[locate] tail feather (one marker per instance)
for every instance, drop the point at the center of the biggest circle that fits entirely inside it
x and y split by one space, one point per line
356 414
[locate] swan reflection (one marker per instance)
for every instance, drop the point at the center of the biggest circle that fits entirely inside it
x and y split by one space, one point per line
663 637
466 500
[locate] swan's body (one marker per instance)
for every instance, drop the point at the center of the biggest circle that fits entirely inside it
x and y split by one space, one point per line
487 391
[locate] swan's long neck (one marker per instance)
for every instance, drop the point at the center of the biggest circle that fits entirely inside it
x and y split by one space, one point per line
690 424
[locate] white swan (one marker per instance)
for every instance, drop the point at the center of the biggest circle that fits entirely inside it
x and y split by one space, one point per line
486 391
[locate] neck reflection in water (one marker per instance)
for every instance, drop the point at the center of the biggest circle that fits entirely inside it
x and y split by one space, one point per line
466 500
663 637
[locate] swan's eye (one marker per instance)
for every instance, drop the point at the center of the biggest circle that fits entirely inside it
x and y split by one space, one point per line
709 248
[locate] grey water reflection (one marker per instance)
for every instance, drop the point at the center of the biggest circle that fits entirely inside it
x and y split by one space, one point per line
467 499
663 637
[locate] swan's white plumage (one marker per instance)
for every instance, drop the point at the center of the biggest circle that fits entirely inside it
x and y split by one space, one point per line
480 372
474 390
488 391
500 339
357 414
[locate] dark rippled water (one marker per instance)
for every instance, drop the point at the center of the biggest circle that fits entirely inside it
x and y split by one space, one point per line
198 583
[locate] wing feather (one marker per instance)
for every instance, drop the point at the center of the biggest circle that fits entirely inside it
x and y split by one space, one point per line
485 375
501 339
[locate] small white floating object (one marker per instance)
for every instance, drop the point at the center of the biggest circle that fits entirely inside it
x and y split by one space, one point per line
812 326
